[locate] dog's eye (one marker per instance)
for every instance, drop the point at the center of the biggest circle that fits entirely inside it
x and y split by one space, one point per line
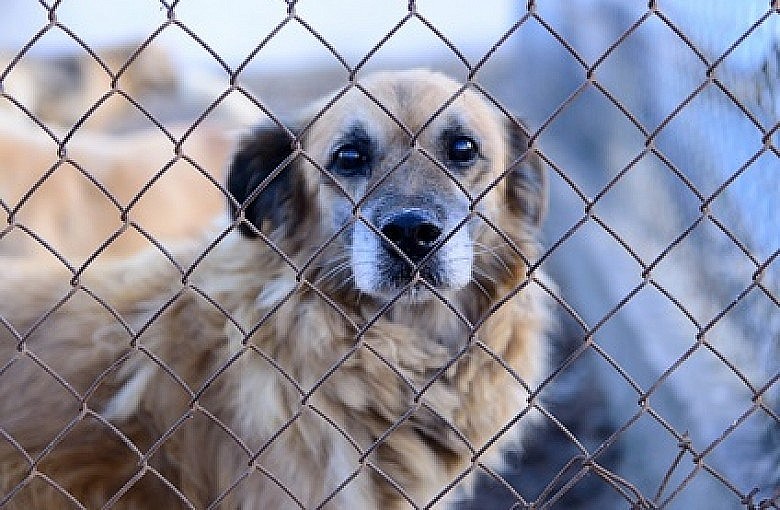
462 150
350 159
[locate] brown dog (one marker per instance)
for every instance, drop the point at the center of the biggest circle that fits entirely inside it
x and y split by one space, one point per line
368 340
76 218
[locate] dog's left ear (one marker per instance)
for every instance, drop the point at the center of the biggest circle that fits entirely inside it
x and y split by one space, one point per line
527 182
258 164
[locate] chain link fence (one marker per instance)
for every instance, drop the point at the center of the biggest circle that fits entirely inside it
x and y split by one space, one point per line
663 386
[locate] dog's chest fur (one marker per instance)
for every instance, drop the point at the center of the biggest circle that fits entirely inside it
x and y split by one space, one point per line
375 402
248 386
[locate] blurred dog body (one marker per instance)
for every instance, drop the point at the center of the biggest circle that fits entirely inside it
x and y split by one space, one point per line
117 188
110 181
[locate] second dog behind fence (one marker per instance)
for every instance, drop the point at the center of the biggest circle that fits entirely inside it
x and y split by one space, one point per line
368 337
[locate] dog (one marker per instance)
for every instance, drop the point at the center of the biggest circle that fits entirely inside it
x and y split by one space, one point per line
76 218
142 184
367 331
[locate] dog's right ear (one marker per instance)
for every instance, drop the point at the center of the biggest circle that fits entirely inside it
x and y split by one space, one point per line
263 160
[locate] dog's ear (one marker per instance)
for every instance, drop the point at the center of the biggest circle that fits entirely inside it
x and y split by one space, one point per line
527 181
257 164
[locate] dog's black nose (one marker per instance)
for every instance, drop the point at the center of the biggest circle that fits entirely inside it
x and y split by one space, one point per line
413 233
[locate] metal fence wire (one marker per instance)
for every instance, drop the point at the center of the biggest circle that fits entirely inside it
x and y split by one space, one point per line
590 465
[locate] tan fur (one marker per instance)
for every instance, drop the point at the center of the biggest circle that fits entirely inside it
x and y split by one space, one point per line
66 209
272 381
76 218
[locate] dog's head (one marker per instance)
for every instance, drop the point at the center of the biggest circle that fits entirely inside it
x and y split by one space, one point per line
409 181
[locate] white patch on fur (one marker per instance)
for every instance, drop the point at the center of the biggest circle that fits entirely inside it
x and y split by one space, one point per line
341 464
457 256
274 291
365 253
125 403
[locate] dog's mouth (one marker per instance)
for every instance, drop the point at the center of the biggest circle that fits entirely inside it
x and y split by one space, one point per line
419 281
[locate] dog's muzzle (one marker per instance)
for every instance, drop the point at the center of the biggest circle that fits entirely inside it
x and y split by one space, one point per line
411 235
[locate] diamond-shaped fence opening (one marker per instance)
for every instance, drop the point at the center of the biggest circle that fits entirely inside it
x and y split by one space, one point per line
156 351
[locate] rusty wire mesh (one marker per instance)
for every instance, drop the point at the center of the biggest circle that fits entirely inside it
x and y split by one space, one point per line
688 462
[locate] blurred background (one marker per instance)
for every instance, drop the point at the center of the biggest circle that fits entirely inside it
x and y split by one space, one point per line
660 127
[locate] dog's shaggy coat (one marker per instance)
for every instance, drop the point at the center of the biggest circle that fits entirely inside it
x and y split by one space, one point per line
368 337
